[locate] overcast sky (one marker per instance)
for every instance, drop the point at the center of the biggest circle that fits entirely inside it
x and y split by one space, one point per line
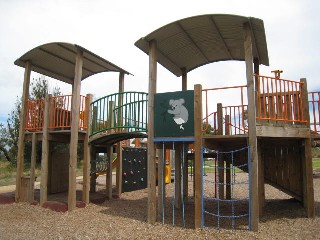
110 29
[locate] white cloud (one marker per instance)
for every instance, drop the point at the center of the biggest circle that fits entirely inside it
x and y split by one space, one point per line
110 28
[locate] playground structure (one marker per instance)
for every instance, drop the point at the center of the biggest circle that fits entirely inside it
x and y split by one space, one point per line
269 116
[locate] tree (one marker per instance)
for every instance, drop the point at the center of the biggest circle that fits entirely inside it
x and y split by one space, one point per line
9 133
207 126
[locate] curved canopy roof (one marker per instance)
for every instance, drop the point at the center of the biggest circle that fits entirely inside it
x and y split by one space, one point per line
58 59
195 41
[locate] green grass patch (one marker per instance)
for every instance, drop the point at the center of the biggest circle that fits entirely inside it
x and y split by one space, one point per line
316 164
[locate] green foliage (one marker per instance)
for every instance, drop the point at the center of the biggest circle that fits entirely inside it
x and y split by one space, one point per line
9 132
208 127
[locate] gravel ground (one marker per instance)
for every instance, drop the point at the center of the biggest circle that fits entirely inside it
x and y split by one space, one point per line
125 218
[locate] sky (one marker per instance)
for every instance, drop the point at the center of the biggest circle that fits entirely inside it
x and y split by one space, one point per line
110 29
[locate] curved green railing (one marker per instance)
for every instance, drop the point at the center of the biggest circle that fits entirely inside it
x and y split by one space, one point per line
120 112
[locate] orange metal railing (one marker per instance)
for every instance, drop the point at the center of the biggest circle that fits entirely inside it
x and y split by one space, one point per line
314 110
34 114
279 100
233 116
60 114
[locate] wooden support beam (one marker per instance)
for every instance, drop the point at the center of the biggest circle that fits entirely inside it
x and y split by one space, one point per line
33 166
184 79
228 161
119 145
45 153
20 155
93 176
256 79
307 174
75 113
261 179
110 152
86 153
151 148
254 207
222 158
109 172
198 171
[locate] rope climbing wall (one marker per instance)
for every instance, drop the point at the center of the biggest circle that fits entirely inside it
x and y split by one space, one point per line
226 200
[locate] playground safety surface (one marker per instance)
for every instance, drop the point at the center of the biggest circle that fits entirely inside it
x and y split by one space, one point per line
126 218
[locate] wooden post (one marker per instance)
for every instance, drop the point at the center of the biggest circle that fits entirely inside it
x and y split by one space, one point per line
75 108
110 152
198 171
184 79
109 171
161 182
185 170
93 179
254 207
221 160
33 166
151 148
256 79
20 155
261 179
45 153
119 145
86 153
228 162
307 174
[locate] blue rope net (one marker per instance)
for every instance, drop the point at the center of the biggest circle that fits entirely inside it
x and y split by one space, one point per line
226 200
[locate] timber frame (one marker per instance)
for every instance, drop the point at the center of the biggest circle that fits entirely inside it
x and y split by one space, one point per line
69 63
164 46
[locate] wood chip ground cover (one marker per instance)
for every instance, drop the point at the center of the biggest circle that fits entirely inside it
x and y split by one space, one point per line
125 218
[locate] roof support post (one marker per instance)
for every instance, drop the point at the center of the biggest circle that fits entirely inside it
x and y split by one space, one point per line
152 214
45 153
184 79
253 191
20 156
307 179
119 145
75 108
87 153
198 170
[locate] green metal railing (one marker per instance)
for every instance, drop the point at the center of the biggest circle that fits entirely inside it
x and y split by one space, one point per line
120 112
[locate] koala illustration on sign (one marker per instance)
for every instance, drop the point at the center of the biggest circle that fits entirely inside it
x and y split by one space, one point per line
179 111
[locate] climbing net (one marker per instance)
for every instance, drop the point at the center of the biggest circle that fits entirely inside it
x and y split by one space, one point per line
226 201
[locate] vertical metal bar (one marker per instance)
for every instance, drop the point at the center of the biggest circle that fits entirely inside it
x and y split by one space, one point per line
163 183
174 187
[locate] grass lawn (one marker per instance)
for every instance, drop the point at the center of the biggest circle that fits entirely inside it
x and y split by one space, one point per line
8 171
316 164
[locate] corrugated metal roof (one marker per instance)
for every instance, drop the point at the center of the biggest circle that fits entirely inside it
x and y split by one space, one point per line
195 41
57 60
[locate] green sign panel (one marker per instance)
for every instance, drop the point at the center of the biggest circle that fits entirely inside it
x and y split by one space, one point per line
174 114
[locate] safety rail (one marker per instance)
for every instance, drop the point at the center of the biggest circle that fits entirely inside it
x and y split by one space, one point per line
60 114
225 120
34 114
120 112
314 110
279 100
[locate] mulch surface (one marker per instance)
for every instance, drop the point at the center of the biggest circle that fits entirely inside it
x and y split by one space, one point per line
7 198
